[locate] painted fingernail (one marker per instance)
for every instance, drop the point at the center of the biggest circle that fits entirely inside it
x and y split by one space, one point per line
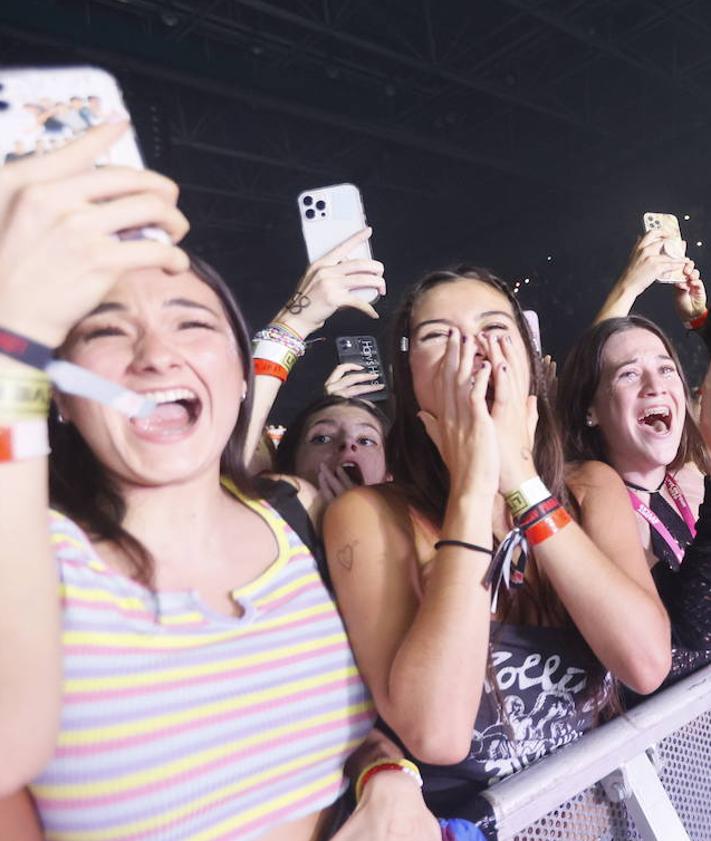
508 340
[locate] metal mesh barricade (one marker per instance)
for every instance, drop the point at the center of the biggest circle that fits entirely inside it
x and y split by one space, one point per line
686 775
645 776
589 816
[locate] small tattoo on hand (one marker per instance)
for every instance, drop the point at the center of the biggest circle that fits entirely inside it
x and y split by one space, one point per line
298 303
344 556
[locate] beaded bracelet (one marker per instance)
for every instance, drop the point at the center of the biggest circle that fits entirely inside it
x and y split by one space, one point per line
282 335
404 766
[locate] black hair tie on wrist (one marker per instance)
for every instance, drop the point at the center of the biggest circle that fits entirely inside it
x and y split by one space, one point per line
471 546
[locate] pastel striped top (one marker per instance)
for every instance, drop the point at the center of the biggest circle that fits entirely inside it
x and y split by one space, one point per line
181 723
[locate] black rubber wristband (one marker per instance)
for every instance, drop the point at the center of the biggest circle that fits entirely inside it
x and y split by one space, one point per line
464 545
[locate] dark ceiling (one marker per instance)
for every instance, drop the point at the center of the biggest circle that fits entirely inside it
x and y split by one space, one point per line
527 135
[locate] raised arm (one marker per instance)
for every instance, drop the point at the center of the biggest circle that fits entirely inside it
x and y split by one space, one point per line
326 286
58 257
646 263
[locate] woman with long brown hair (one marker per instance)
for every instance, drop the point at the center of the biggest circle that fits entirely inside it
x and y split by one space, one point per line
173 666
475 679
623 400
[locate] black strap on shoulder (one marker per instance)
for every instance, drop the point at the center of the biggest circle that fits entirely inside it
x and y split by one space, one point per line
283 497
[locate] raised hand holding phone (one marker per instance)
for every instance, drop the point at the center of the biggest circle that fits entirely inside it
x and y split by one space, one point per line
670 244
329 217
328 285
59 253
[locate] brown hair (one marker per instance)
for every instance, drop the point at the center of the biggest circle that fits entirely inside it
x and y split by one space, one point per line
293 437
579 382
424 481
81 487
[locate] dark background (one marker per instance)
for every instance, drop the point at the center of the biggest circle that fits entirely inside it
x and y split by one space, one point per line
526 135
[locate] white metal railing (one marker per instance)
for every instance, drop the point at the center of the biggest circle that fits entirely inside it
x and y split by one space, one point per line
626 757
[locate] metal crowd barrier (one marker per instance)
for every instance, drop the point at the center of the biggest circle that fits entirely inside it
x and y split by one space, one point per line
645 776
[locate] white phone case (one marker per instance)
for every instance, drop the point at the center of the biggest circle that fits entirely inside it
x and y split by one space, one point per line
329 215
46 108
673 245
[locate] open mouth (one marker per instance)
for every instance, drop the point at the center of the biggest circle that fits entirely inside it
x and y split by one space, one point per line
177 409
353 471
659 418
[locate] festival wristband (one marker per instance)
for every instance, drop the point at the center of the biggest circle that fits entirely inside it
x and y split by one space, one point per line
536 512
275 352
265 367
698 322
531 492
547 527
24 396
24 439
72 379
404 766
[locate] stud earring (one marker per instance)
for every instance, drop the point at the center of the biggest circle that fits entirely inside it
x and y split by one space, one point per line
589 421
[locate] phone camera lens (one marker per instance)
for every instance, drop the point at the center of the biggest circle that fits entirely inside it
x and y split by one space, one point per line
310 213
320 205
3 105
308 201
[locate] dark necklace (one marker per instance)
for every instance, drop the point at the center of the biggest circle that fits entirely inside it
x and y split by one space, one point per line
646 490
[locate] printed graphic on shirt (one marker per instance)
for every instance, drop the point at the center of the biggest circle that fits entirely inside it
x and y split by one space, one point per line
544 707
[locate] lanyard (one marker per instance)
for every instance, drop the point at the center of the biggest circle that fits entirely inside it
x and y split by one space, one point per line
682 506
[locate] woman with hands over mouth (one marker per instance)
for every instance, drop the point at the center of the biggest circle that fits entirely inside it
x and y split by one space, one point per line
336 443
174 667
475 679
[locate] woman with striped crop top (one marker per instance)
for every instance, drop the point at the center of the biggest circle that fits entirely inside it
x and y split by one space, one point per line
193 679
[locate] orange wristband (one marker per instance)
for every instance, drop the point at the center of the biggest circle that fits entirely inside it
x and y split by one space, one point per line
698 322
547 527
270 369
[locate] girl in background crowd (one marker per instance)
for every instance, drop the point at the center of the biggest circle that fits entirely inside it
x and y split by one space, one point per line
184 602
336 443
412 565
623 400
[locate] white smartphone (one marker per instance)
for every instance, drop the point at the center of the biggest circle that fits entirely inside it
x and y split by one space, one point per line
534 328
42 109
329 215
672 245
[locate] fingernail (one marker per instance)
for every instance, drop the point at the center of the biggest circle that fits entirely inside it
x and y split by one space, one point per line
508 340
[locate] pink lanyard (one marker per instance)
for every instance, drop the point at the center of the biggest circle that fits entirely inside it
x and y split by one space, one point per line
682 506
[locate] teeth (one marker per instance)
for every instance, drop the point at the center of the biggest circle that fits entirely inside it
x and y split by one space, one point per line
348 464
662 411
171 395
